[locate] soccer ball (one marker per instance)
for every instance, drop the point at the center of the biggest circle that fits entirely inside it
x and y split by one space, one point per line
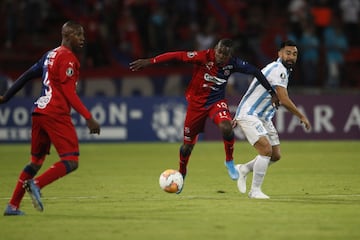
171 181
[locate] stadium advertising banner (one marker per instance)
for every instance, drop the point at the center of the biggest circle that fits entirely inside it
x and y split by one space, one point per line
141 119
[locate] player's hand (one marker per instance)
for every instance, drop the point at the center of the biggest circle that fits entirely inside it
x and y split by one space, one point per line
275 102
139 64
234 123
1 99
306 123
93 126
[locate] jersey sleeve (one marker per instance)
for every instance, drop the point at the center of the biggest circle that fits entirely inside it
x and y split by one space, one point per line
183 56
69 73
35 71
245 67
279 77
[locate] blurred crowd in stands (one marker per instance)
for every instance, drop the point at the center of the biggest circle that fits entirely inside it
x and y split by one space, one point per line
119 31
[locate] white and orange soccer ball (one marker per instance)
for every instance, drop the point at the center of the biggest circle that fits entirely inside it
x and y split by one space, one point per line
171 181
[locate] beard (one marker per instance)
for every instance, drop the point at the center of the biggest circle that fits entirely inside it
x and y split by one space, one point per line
288 64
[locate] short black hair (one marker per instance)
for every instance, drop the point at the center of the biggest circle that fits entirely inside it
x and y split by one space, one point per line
228 43
290 43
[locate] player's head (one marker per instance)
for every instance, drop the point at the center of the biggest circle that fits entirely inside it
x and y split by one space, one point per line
288 53
223 51
72 35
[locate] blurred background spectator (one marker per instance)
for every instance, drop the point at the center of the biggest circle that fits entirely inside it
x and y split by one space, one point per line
350 17
119 31
335 46
309 47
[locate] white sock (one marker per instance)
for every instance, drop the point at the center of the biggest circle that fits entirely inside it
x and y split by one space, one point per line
250 165
260 166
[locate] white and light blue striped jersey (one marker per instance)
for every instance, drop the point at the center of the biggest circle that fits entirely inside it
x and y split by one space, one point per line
257 101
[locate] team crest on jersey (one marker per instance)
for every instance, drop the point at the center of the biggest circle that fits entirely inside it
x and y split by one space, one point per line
283 78
69 72
282 75
191 54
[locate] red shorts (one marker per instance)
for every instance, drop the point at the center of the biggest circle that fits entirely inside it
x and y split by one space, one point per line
59 131
196 118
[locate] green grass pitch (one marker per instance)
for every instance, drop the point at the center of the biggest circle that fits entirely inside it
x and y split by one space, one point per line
314 190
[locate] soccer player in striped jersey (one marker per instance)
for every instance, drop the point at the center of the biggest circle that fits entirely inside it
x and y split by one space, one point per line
51 120
205 95
254 115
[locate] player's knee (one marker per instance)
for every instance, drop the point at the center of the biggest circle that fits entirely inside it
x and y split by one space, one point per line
275 157
70 165
226 128
32 168
265 150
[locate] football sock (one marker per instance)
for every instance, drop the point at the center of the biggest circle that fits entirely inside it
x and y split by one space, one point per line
260 167
250 165
55 172
229 147
183 162
19 191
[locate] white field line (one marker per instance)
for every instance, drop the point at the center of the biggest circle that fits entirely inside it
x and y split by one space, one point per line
317 196
56 198
276 197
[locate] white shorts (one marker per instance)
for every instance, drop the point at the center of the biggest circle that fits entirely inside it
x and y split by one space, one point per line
253 128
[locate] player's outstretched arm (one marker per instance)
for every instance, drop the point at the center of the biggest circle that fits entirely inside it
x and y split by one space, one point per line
290 105
139 64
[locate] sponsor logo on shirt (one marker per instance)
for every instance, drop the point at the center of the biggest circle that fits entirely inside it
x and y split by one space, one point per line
214 79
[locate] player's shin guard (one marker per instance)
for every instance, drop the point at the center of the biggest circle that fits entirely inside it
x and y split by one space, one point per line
19 191
56 171
260 167
229 146
184 155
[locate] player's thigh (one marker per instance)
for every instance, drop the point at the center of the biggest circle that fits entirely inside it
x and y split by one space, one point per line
64 138
272 133
252 128
194 123
40 140
219 112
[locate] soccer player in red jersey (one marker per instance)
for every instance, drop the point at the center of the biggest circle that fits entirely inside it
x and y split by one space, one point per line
51 120
205 95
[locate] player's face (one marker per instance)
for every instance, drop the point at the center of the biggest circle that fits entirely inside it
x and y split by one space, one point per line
77 38
222 54
288 56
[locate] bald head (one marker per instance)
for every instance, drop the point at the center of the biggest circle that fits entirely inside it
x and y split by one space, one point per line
72 35
69 28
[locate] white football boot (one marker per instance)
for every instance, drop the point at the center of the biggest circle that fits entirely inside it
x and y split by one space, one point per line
258 194
241 181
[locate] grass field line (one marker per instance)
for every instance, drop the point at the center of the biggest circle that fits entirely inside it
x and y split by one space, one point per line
277 197
58 198
318 197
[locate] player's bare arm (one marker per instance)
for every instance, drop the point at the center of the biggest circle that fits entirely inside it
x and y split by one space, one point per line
289 105
1 99
139 64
